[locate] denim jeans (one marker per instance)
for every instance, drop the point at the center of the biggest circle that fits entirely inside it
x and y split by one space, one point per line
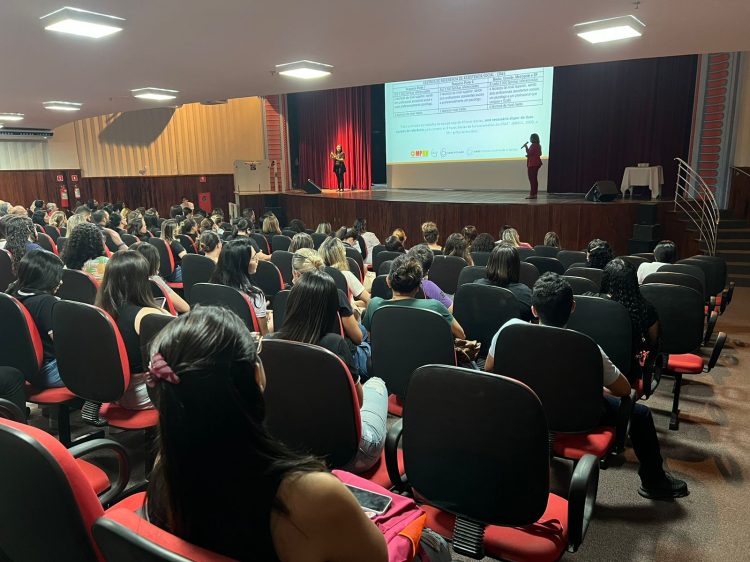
374 413
48 376
176 276
362 354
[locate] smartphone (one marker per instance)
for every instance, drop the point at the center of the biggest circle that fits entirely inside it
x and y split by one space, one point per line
161 301
370 501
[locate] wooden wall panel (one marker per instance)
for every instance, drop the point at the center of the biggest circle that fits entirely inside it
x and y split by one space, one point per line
21 187
739 196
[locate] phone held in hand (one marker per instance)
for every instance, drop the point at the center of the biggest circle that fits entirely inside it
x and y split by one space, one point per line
372 503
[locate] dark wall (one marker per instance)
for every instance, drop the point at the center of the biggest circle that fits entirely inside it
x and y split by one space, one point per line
608 116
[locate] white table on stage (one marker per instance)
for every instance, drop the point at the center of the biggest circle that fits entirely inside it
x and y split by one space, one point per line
653 177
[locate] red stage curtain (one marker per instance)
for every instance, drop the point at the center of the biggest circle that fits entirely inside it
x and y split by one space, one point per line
332 117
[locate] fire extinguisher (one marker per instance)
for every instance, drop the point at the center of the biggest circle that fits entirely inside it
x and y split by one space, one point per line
64 196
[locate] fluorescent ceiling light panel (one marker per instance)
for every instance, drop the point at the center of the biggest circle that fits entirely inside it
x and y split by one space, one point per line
62 105
305 69
11 116
75 21
155 94
611 29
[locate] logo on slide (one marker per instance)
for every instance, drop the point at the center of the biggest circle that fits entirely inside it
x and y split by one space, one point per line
419 153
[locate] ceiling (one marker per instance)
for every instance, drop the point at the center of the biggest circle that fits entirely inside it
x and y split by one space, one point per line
227 48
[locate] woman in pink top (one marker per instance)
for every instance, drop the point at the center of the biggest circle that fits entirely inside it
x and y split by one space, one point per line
533 163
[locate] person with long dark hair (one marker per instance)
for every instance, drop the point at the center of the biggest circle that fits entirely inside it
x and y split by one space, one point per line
369 239
504 270
311 315
20 238
39 278
216 457
169 232
85 251
484 242
533 163
237 264
456 245
425 256
339 166
125 294
210 244
137 228
151 254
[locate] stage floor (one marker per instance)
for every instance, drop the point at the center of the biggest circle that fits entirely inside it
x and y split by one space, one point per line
506 197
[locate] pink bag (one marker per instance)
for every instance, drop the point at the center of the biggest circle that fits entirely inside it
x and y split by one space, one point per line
401 524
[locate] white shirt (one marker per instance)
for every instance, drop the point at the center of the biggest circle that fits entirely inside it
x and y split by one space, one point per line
370 241
646 269
355 286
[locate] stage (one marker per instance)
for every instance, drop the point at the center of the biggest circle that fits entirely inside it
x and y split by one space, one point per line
576 220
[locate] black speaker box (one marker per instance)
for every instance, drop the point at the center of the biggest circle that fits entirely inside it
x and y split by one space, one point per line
647 214
641 246
311 188
646 232
603 191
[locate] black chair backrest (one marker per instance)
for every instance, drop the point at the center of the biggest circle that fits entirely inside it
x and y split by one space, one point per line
380 288
445 271
480 258
8 410
528 274
648 256
338 278
288 232
544 265
318 239
356 269
283 260
688 269
404 338
52 232
526 253
105 373
121 544
383 256
6 270
262 242
715 283
669 278
595 275
546 251
151 325
607 322
563 368
46 242
226 297
482 310
78 286
384 268
280 242
279 308
581 285
61 243
129 239
166 259
451 416
719 275
376 249
311 403
471 273
353 254
268 278
20 345
569 257
196 269
187 243
635 261
681 316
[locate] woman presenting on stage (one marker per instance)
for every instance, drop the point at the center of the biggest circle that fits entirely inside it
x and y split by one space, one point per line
338 166
533 163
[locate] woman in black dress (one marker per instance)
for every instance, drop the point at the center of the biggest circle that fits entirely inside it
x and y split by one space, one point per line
339 168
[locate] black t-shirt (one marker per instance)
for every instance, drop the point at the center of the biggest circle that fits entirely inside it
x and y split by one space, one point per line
520 291
177 249
345 309
40 307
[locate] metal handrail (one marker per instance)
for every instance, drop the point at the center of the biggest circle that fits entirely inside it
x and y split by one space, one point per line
740 170
693 197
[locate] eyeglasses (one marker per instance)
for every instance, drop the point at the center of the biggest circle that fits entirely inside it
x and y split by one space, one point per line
258 341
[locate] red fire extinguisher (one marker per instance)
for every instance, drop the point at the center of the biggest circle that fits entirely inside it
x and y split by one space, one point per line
64 197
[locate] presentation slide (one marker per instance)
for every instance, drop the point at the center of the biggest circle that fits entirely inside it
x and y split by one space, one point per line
467 118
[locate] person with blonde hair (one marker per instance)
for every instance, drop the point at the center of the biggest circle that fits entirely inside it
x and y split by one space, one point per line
333 252
58 220
510 235
552 240
323 228
75 220
401 235
271 226
431 235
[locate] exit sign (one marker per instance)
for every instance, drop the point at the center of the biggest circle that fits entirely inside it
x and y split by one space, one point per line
60 178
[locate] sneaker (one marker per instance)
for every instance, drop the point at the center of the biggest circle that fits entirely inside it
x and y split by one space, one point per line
668 488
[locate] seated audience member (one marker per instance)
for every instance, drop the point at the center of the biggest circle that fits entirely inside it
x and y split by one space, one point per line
301 240
510 235
598 254
175 211
664 254
504 270
12 389
3 220
394 244
51 209
425 256
271 227
484 242
117 222
190 228
431 235
4 208
152 221
210 244
469 233
237 264
310 317
552 303
242 228
350 237
401 235
18 210
75 220
323 228
125 294
137 228
39 218
370 240
206 225
404 279
152 257
169 235
208 383
100 218
58 220
296 225
20 238
334 254
39 278
456 245
552 240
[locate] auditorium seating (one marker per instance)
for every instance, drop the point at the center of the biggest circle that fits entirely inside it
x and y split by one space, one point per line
280 242
318 239
166 261
282 259
635 261
382 256
262 242
46 242
188 243
384 268
480 258
528 274
353 254
482 310
445 271
546 251
279 309
338 278
267 278
129 239
591 273
581 285
227 297
356 269
52 231
692 270
380 288
158 292
546 264
6 270
568 257
78 286
151 324
196 269
471 273
524 253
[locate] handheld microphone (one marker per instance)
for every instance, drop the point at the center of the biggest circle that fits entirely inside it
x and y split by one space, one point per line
525 144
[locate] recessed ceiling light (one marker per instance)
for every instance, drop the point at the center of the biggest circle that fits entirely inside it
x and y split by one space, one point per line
82 22
611 29
305 69
11 116
62 105
155 94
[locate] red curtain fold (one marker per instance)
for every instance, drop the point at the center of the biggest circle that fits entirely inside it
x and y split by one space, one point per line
333 117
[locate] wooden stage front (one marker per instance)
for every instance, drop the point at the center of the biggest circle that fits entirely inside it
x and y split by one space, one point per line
576 220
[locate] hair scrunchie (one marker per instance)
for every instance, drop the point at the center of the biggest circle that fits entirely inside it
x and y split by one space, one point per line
159 369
